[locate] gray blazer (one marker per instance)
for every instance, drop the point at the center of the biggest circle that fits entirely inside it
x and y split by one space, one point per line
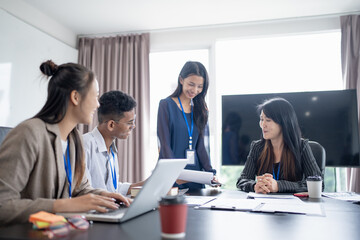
32 171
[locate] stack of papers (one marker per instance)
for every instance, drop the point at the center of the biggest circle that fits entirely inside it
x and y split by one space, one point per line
196 176
346 196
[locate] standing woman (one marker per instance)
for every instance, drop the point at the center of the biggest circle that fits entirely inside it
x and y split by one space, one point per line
182 119
281 160
42 159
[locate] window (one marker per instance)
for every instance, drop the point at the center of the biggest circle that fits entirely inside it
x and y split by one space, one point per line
292 63
295 63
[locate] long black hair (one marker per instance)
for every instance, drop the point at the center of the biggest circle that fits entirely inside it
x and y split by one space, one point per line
64 79
282 113
200 108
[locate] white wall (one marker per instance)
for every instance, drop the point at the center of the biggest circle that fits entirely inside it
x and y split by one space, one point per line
22 49
32 16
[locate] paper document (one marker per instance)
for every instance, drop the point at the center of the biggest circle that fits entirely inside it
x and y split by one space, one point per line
266 205
269 195
233 204
281 201
306 208
196 176
346 196
198 200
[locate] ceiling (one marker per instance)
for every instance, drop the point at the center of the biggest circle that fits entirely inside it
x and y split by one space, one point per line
113 16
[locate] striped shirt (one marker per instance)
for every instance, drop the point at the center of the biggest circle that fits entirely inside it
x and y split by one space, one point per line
246 181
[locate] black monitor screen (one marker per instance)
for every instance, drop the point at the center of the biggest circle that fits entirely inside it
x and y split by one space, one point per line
327 117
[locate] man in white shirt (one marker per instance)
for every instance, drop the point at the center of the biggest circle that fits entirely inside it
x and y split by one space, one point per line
116 116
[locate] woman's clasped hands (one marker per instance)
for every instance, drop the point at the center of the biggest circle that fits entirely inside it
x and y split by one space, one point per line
266 184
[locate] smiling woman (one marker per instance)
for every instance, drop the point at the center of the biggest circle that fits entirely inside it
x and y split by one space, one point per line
182 120
192 86
42 159
281 160
160 84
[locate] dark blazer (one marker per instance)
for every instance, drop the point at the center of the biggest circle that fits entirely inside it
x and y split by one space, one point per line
32 171
246 181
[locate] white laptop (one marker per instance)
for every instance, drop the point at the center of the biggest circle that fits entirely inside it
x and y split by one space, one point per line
156 186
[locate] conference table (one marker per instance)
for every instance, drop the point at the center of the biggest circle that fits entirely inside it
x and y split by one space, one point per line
340 221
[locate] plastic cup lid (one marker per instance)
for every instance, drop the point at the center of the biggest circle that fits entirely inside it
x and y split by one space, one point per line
314 178
169 200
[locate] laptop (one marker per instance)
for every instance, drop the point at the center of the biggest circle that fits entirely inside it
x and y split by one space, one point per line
156 186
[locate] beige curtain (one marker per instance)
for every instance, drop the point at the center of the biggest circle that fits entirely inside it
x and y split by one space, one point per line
122 63
350 59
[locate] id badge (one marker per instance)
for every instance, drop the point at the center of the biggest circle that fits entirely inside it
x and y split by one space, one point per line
190 155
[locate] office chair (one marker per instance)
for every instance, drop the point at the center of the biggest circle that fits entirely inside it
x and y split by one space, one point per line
3 132
320 155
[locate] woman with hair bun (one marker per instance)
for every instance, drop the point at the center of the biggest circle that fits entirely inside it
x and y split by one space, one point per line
42 159
281 160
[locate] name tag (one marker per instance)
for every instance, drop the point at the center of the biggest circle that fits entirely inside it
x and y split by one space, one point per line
190 155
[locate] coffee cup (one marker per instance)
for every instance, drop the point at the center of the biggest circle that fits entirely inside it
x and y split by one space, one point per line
314 186
173 214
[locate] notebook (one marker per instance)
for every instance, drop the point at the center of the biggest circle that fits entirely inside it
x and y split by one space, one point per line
156 186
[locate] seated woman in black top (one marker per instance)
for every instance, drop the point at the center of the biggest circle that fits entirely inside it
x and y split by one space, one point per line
281 160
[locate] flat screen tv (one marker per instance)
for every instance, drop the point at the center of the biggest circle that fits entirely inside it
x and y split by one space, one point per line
327 117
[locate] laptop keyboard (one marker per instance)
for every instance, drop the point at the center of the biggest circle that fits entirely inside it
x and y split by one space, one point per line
113 212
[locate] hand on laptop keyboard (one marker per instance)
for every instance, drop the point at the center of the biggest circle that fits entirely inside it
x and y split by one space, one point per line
117 197
121 204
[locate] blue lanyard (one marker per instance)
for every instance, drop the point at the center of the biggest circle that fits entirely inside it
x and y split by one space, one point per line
113 170
278 172
187 124
68 167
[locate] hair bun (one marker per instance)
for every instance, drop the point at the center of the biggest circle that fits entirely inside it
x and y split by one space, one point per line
48 68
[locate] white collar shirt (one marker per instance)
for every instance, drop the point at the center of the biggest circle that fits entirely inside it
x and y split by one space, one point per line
98 168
